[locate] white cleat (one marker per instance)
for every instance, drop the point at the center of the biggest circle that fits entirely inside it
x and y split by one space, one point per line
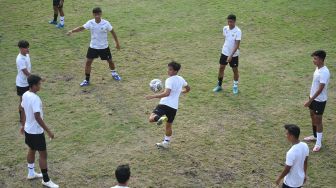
164 145
50 184
35 176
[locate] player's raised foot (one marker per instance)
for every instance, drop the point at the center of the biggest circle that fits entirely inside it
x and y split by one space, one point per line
316 148
53 22
34 176
217 89
162 120
84 83
50 184
116 76
164 145
310 138
235 89
60 26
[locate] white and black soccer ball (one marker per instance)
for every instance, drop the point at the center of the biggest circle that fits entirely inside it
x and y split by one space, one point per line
156 85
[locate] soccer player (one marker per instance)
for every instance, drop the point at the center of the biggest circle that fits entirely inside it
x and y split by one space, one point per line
167 108
24 69
122 174
58 7
99 43
33 129
230 53
318 97
295 172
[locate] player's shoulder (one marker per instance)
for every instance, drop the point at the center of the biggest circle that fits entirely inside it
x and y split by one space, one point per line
105 21
238 29
226 27
20 58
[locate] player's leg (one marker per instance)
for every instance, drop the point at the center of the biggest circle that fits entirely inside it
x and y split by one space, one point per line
222 65
158 115
55 8
30 140
105 54
170 113
234 66
88 65
61 12
312 137
319 130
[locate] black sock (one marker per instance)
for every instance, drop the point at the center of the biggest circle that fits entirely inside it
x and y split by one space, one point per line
45 175
314 131
87 77
156 118
55 17
220 81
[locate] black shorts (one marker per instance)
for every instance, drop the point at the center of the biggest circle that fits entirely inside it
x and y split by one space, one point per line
21 90
317 107
57 3
36 141
286 186
104 54
170 112
234 62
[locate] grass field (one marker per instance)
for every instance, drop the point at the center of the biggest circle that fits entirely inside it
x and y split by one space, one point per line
220 140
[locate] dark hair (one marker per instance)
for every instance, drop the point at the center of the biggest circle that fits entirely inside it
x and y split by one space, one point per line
176 66
231 17
23 44
293 130
97 10
123 173
33 80
320 54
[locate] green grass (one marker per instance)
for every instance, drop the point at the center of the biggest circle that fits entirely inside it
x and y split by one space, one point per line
220 140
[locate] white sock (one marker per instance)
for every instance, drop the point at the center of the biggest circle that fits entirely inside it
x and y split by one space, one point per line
235 82
62 20
31 170
319 139
166 139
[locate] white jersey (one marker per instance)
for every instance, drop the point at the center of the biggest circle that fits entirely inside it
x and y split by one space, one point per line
99 32
321 76
230 37
22 62
295 158
175 84
31 103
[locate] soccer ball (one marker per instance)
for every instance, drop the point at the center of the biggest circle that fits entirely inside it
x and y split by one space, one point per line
156 85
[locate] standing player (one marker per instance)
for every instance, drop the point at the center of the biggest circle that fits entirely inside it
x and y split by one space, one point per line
33 129
295 172
167 108
99 43
58 7
230 52
24 69
318 97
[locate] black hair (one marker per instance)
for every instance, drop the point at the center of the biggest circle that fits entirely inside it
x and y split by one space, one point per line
33 80
231 17
97 10
176 66
320 54
123 173
23 44
293 130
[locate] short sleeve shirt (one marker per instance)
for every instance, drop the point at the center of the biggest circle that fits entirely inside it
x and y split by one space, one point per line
31 104
175 84
230 37
22 62
99 32
321 76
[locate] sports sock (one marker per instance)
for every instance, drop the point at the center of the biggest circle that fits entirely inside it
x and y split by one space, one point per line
156 118
45 175
87 77
319 139
220 81
31 169
314 131
166 139
62 20
55 17
235 82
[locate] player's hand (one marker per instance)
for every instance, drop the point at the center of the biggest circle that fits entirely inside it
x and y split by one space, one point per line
148 97
307 103
305 180
51 135
277 182
117 46
22 130
69 33
229 59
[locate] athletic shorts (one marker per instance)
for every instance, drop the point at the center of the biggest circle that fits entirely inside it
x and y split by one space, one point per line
36 141
104 54
21 90
286 186
56 3
234 62
317 107
162 110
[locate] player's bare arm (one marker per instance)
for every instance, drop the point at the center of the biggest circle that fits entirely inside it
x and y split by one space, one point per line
77 29
43 125
305 167
26 72
283 174
165 93
114 35
318 92
236 47
23 121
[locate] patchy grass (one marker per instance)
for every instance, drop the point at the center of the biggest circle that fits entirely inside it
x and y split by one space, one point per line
220 140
